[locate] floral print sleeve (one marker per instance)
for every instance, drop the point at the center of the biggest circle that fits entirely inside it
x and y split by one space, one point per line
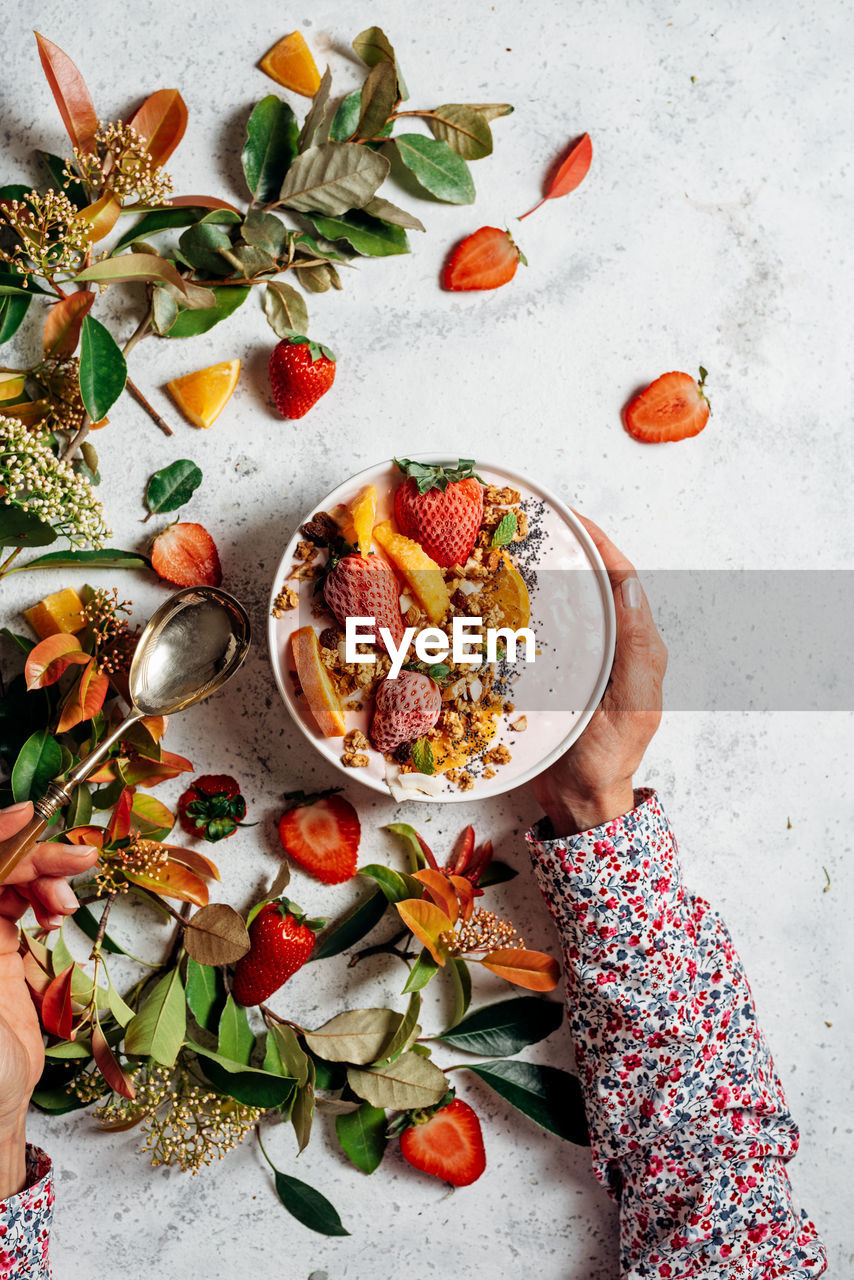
689 1125
25 1223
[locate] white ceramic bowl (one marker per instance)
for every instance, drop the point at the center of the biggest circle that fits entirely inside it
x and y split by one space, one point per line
572 614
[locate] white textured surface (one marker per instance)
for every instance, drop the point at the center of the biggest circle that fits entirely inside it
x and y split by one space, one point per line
714 226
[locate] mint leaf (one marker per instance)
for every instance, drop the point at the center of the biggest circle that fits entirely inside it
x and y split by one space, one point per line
422 756
506 530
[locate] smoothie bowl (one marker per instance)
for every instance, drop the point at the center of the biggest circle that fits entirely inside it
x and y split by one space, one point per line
441 629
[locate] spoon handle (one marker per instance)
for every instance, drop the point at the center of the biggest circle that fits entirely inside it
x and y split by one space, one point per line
14 849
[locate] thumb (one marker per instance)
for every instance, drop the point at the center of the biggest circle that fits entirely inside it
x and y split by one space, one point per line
14 819
640 657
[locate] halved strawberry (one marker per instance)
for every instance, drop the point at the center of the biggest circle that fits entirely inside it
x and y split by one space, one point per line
673 407
447 1143
485 260
321 834
186 555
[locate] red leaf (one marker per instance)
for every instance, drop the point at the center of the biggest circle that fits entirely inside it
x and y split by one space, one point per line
161 120
62 326
100 217
119 827
440 891
195 861
57 1013
570 173
84 700
69 90
47 661
109 1068
531 969
427 922
86 835
203 202
147 773
173 881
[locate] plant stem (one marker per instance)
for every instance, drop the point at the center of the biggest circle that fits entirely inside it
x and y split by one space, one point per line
387 948
149 408
102 926
139 332
4 567
177 938
77 439
268 1014
263 1152
162 903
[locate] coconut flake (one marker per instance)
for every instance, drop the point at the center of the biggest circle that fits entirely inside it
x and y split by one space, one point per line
408 786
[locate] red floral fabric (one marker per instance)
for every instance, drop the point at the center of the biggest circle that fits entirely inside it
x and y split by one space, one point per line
689 1125
25 1223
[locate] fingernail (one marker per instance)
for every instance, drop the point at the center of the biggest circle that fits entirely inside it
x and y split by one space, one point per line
19 807
630 590
54 922
66 896
82 850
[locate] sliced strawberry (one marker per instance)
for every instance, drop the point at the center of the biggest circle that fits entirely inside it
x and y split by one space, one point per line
186 555
673 407
485 260
447 1144
321 834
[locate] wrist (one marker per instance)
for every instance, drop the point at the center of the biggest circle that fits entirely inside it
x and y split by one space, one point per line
571 812
13 1155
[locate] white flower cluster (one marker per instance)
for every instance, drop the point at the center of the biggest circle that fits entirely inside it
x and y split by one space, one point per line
51 236
34 479
120 162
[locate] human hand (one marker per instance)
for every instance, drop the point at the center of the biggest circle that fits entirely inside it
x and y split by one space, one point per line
592 782
39 882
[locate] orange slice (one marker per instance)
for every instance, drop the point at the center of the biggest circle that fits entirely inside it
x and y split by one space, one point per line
422 573
481 725
290 63
320 693
202 396
510 595
362 515
60 612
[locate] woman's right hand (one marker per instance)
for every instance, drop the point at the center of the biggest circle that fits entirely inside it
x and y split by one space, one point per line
593 782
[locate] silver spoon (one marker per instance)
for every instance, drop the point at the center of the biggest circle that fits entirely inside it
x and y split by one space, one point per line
191 646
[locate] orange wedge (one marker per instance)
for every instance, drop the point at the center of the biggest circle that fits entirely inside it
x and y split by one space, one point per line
290 63
320 693
423 575
510 595
202 396
362 514
480 727
60 612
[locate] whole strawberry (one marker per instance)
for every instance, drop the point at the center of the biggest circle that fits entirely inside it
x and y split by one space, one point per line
186 555
441 508
280 942
404 709
300 373
358 587
447 1143
212 807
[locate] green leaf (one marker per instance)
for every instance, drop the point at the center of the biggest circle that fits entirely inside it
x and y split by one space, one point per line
170 488
395 885
308 1206
285 309
39 761
346 118
409 836
20 528
234 1038
12 285
362 1136
265 231
315 127
247 1084
271 144
352 928
458 971
422 972
502 1029
505 530
79 811
465 130
333 177
373 46
497 872
490 110
88 923
547 1095
164 310
55 165
302 1112
411 1081
121 1011
378 98
319 278
200 319
422 756
106 558
357 1035
284 1055
158 1029
202 246
204 992
436 167
20 642
12 312
366 234
407 1031
159 220
69 1049
133 268
103 371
